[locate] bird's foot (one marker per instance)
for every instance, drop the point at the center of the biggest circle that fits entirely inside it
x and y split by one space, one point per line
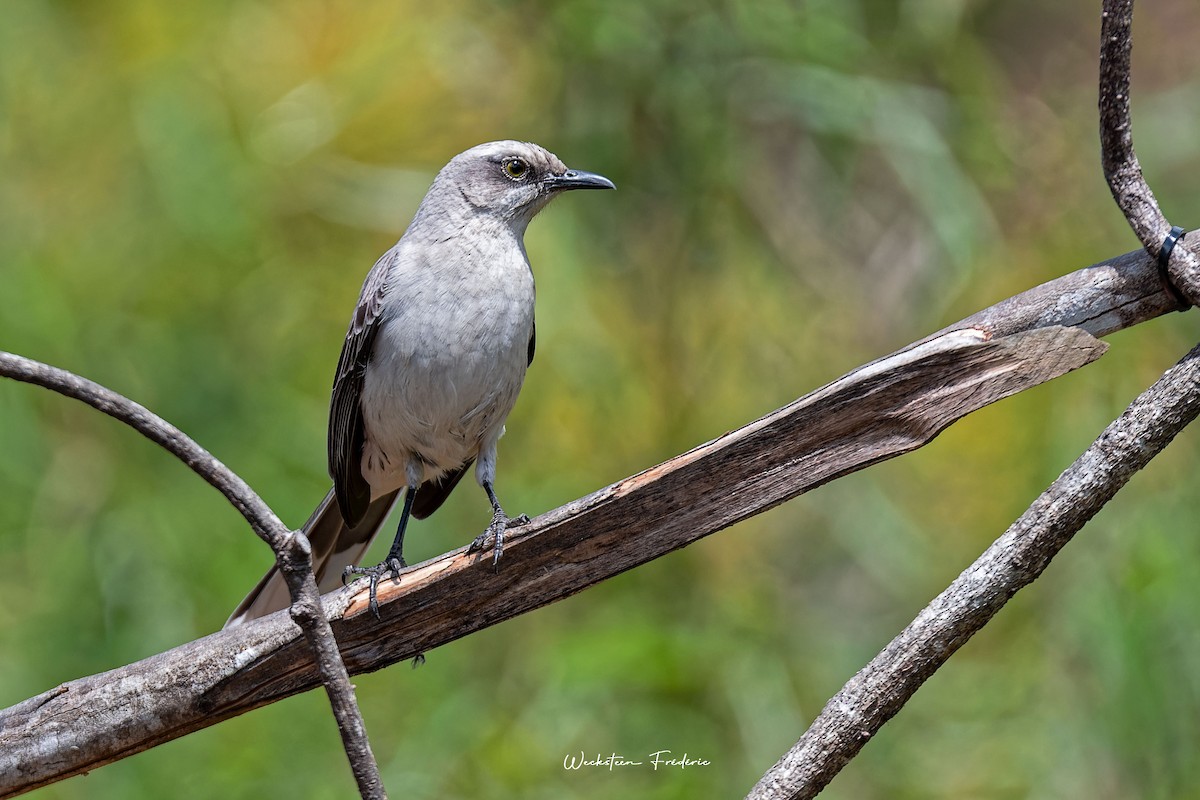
494 535
388 566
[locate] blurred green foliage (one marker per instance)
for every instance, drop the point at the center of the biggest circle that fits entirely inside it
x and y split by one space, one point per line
190 195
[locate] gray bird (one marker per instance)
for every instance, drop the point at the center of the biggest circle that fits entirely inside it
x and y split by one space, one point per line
434 358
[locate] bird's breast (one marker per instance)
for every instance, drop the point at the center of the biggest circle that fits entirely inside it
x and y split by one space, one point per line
450 358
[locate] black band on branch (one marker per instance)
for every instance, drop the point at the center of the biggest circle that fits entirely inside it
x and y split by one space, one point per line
1164 258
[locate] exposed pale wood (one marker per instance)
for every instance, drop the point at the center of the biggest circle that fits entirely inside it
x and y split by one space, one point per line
886 408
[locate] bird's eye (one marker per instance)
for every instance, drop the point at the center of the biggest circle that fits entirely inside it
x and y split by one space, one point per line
515 168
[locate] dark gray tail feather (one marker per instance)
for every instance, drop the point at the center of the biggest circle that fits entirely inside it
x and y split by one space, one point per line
334 546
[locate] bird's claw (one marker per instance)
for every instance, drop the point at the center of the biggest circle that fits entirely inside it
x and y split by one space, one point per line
494 535
480 542
390 565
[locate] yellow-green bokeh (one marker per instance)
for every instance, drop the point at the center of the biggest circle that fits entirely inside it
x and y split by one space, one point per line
191 193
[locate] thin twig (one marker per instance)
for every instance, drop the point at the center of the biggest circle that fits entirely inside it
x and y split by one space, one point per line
291 548
261 518
1122 169
1015 560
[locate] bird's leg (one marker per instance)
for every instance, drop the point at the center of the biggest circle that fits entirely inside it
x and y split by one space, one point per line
495 532
395 557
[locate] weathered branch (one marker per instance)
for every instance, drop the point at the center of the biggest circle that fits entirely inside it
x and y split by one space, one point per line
89 722
881 688
291 548
881 410
1015 560
1122 169
1101 299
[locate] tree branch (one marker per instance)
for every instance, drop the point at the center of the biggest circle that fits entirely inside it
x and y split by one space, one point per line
291 549
261 518
1122 169
1015 560
876 412
886 408
881 688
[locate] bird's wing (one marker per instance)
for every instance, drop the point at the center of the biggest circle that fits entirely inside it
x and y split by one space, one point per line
431 494
532 342
346 431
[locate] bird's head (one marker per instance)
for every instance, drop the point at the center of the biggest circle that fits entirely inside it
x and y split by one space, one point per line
511 180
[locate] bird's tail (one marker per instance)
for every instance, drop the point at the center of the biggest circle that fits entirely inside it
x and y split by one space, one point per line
334 547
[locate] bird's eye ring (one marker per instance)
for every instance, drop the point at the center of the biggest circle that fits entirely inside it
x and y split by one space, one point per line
515 168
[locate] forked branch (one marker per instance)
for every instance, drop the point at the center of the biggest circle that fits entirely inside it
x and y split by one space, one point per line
881 410
880 689
291 548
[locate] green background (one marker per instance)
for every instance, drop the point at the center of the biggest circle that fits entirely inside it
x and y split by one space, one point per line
191 194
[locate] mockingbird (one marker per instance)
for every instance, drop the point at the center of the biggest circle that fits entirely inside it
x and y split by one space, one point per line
434 358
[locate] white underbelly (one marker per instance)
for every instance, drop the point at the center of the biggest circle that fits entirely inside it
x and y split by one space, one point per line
438 389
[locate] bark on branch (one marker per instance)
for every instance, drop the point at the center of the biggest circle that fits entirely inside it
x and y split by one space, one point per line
291 550
881 688
1122 169
886 408
1015 560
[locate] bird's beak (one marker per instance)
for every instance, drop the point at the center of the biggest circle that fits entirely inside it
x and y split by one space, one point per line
578 179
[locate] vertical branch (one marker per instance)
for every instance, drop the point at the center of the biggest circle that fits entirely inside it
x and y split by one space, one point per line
291 548
1121 166
1122 169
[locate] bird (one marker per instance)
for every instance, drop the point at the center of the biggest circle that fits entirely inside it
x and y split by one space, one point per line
434 357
